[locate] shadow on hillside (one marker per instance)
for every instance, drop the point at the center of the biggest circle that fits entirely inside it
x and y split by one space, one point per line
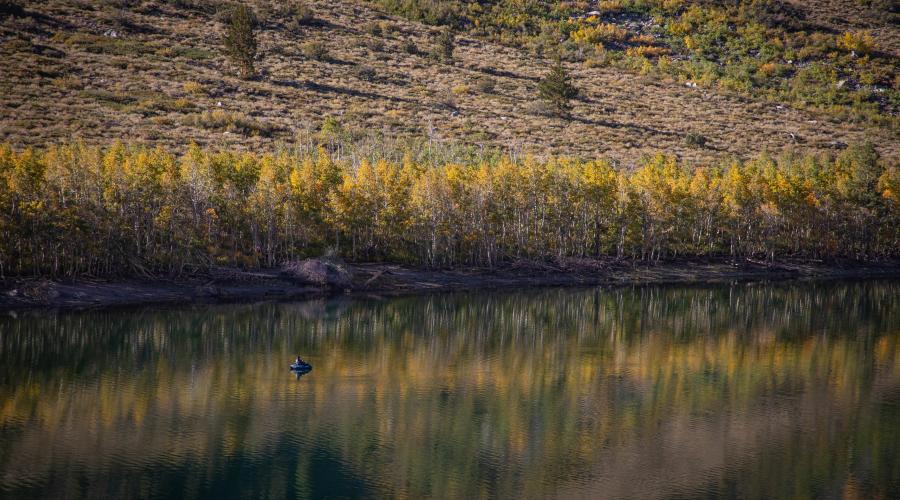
41 24
339 62
813 27
316 23
504 73
631 126
334 89
642 129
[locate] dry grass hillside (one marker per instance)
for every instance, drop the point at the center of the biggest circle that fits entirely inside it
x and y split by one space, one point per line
155 71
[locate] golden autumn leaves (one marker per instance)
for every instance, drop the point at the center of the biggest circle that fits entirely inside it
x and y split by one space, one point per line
76 209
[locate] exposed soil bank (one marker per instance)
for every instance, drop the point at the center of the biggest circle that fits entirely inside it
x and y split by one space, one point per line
231 285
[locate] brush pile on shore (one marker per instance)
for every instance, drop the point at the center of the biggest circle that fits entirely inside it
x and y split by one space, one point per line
327 272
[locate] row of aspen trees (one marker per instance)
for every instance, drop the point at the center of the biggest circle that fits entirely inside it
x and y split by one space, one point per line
79 210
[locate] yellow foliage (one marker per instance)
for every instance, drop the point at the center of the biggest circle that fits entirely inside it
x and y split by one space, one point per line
860 42
690 43
195 88
600 33
460 90
79 209
680 28
610 5
889 185
672 5
647 51
642 39
767 69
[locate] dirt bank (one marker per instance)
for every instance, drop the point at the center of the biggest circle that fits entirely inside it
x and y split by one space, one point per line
231 285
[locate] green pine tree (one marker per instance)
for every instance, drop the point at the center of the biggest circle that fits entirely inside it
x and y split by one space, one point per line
556 90
240 39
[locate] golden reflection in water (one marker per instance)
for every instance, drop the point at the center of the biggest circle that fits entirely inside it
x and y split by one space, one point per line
760 391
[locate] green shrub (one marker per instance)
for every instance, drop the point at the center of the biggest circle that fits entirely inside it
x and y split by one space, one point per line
388 27
410 47
694 140
315 50
444 43
485 84
331 130
299 15
816 84
373 28
365 73
449 101
229 122
374 44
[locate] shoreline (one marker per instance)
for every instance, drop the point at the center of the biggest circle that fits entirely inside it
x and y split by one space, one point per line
381 279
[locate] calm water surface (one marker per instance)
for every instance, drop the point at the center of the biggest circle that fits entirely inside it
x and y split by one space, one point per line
754 391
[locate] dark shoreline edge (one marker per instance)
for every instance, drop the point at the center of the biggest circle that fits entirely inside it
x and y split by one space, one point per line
378 279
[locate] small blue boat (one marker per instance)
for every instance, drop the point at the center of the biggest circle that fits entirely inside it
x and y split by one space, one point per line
301 367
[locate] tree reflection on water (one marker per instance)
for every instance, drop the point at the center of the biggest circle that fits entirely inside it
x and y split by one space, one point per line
751 390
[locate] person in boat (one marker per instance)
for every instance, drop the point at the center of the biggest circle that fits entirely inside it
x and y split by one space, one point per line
299 361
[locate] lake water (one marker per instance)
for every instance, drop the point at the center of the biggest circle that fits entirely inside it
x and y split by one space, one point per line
756 391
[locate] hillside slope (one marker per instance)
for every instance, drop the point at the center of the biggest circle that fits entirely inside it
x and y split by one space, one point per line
155 72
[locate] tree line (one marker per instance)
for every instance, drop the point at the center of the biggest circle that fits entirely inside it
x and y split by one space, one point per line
81 210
